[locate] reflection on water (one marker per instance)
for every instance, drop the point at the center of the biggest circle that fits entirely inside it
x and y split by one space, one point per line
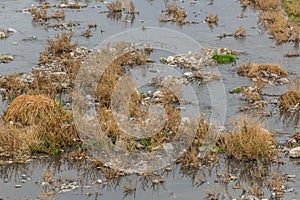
68 179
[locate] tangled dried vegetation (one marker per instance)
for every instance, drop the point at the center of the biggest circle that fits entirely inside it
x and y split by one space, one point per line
272 15
176 14
38 114
36 123
239 33
211 18
289 102
40 14
272 72
249 140
105 90
293 9
57 69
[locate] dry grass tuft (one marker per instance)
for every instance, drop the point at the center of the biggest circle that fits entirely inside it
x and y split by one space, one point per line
32 110
49 123
206 138
290 100
40 15
281 26
115 6
17 142
61 46
240 32
211 18
293 9
12 85
174 14
260 71
249 140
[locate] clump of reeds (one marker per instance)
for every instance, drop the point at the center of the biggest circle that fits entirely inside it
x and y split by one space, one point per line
249 140
276 183
262 4
50 122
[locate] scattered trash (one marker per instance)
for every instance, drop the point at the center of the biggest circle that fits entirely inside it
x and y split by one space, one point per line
295 152
200 59
6 58
292 54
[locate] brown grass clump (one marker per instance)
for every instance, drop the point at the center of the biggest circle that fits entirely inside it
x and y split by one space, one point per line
280 28
104 91
211 18
43 83
262 4
132 7
206 138
40 15
61 46
240 32
115 6
174 14
293 10
249 140
294 7
271 14
12 85
17 142
50 122
31 109
289 101
261 70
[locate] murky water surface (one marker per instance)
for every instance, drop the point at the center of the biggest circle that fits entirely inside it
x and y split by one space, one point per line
31 38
